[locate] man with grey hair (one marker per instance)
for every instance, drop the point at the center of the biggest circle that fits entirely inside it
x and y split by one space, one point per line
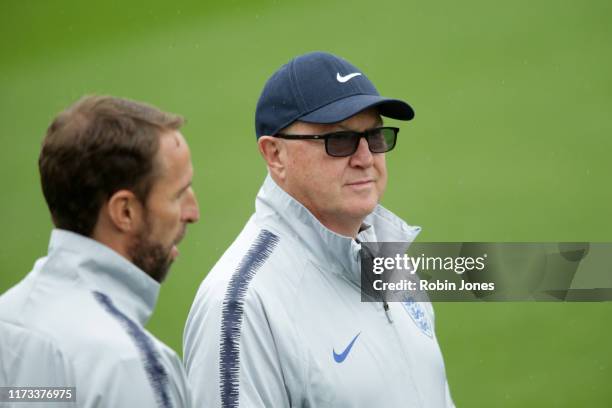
116 175
279 320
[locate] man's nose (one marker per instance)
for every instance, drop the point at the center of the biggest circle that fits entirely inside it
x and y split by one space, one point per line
363 156
191 212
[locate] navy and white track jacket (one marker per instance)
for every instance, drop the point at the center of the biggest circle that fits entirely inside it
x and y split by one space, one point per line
76 320
279 321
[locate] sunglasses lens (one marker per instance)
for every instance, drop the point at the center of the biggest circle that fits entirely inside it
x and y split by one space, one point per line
382 140
342 145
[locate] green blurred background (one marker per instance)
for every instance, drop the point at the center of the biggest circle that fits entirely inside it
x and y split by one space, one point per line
511 142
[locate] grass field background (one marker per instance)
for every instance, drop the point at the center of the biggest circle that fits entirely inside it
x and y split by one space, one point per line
511 142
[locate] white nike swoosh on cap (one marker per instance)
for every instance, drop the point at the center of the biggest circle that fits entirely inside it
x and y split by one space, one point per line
346 78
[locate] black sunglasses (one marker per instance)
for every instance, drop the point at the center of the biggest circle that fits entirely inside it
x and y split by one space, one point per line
345 143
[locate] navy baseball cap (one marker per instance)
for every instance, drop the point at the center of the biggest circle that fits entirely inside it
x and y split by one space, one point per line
320 88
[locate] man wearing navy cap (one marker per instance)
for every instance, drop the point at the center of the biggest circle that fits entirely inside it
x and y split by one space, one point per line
279 320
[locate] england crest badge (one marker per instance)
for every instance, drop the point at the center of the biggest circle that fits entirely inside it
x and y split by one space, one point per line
417 313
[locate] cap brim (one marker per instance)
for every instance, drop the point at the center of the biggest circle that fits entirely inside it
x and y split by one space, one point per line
342 109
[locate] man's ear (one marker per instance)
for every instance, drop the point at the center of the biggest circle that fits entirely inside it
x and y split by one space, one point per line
274 152
125 211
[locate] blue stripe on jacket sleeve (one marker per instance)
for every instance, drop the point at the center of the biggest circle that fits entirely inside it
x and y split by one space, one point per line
233 310
156 373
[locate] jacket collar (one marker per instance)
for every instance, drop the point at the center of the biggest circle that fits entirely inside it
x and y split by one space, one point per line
276 208
99 268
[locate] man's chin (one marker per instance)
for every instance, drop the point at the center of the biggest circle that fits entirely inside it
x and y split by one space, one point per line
359 213
363 208
154 260
172 255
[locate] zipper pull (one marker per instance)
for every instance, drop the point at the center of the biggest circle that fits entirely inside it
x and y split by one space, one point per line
387 312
